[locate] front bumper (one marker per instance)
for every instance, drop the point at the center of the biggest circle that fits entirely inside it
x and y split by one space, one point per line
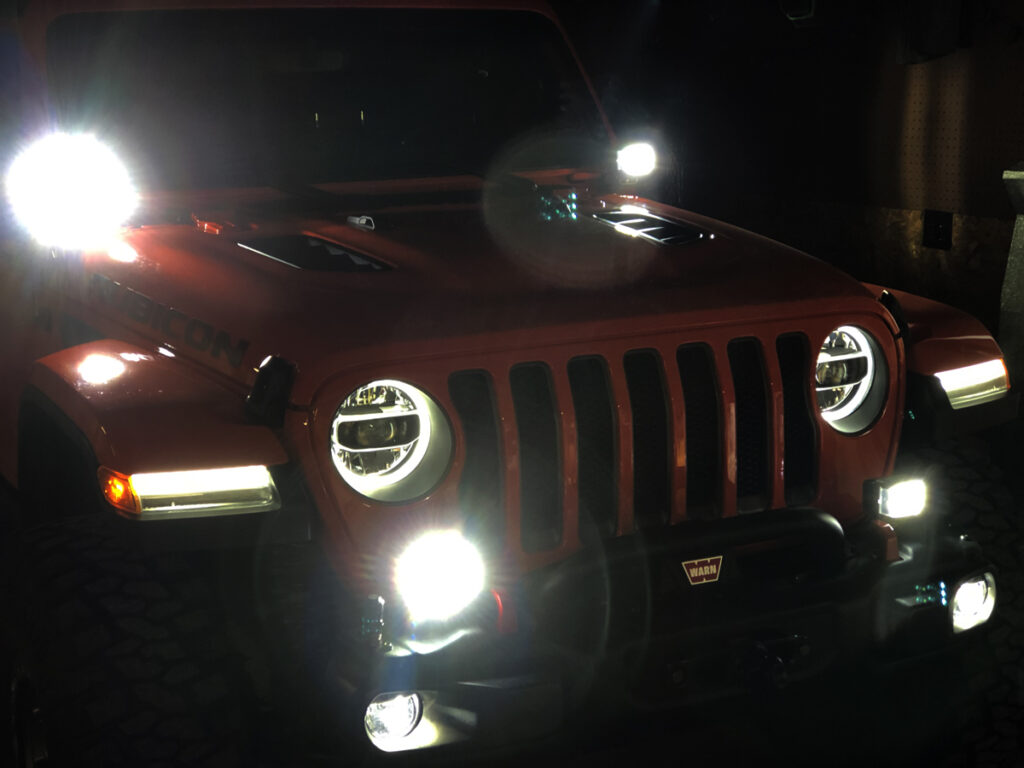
622 625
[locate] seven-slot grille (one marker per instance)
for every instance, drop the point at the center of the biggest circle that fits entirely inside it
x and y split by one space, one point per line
666 427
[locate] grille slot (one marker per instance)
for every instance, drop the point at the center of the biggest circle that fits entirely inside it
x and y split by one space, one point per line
595 446
540 468
750 386
650 438
801 434
480 489
703 430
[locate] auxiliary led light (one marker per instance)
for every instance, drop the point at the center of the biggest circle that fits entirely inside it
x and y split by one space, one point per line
391 717
439 575
973 602
70 191
975 384
637 160
906 498
190 493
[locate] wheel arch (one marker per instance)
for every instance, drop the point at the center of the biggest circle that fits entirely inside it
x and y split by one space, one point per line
136 411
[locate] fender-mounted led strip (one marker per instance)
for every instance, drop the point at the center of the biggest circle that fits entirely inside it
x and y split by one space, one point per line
975 384
190 493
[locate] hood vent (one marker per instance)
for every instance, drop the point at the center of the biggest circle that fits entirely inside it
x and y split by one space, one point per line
639 222
312 253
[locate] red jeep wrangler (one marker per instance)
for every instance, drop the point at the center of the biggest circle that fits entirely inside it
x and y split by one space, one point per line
373 283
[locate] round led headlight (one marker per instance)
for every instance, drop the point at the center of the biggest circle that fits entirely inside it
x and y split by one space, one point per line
850 379
390 441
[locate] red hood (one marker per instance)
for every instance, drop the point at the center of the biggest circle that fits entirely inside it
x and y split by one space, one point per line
463 281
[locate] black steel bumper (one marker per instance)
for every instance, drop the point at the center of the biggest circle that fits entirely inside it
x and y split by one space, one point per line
621 625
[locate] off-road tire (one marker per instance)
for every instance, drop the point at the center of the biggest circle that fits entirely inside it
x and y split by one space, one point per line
124 652
126 655
970 494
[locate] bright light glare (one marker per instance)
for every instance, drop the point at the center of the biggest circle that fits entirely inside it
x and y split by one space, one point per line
630 208
904 499
197 481
121 251
100 369
438 575
974 602
975 384
391 717
70 191
637 159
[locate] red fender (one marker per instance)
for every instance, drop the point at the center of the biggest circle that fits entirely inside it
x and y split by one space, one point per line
941 337
144 412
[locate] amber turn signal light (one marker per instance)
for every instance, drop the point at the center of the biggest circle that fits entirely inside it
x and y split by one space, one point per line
117 490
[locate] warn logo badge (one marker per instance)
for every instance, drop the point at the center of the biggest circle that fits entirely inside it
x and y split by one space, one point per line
703 571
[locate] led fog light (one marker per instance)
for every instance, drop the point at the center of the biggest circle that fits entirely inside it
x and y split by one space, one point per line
973 602
906 498
439 575
391 717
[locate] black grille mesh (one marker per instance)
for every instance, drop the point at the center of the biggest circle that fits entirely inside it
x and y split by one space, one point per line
703 430
650 438
540 468
750 387
801 435
595 446
480 492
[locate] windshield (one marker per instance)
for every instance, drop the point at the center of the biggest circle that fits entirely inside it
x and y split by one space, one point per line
201 99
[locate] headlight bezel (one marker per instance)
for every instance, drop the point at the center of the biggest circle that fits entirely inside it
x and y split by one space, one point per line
424 466
865 404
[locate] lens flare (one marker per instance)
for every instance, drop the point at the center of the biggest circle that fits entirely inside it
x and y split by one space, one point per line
70 191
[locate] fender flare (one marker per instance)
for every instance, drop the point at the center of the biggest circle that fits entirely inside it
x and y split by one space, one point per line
937 338
143 412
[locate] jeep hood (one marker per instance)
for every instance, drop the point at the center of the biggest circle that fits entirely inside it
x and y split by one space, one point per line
452 279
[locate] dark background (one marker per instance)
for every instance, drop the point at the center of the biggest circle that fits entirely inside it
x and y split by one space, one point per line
833 133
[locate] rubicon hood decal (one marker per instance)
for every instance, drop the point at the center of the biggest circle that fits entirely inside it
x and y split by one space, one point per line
703 571
174 325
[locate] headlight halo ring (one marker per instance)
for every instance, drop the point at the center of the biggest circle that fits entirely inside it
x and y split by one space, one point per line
858 376
390 441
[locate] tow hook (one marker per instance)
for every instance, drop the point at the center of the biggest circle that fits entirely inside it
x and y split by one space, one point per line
766 663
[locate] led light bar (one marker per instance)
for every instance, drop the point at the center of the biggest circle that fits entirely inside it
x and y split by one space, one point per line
975 384
190 493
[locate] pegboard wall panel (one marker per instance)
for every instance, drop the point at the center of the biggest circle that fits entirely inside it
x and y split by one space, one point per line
934 142
958 122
